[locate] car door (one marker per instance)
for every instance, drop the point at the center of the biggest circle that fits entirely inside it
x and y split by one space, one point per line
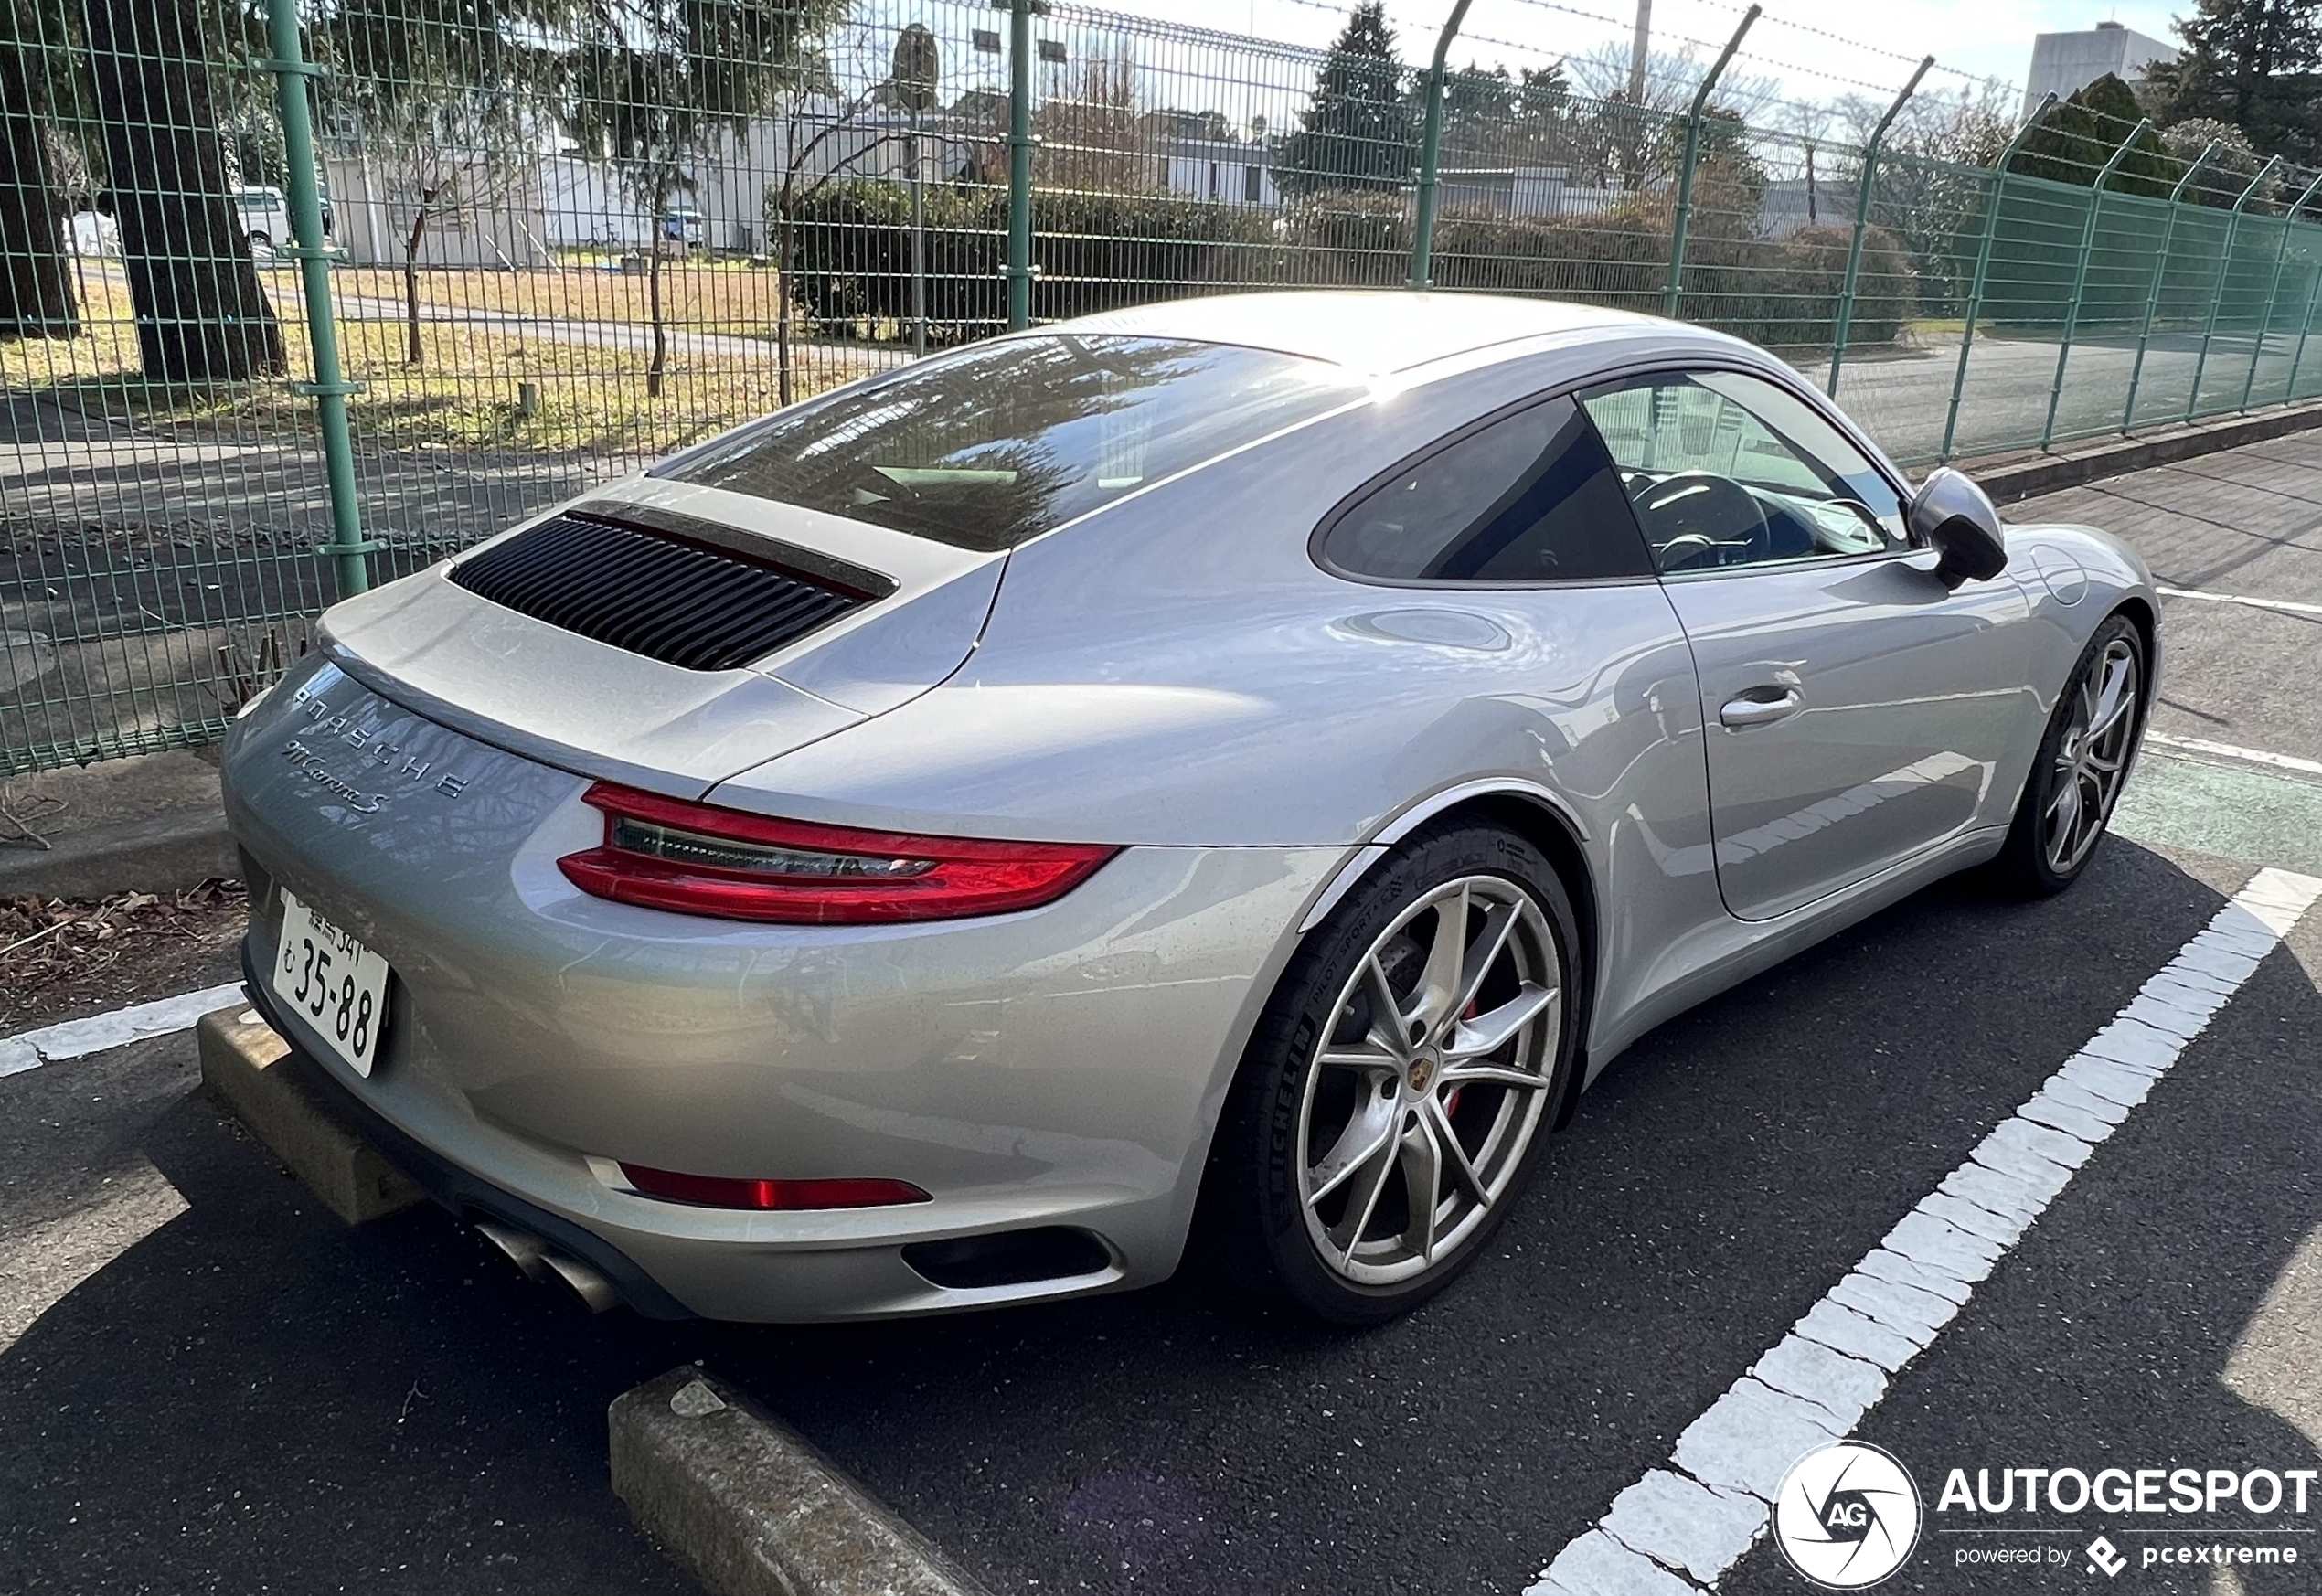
1856 707
1511 539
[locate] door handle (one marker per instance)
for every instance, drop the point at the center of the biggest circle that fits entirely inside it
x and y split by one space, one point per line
1747 711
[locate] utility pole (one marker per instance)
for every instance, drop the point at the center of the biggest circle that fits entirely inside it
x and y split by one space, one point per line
1637 50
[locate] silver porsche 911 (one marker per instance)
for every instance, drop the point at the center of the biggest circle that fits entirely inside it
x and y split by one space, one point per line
1215 779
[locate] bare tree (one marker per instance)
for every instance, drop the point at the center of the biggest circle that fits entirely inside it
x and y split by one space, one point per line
1092 138
825 133
439 164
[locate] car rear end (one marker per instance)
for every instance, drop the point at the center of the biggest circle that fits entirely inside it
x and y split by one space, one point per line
722 1062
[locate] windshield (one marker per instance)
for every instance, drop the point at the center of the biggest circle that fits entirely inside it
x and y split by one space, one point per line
991 445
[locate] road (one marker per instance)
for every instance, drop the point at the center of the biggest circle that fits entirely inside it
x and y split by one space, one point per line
207 1385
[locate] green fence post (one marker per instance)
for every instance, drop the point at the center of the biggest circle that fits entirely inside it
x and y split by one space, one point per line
1983 266
2274 290
1845 321
2080 276
1430 150
1692 155
349 549
2297 356
2225 276
1019 161
2160 271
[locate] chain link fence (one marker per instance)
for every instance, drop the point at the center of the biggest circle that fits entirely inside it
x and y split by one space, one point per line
556 242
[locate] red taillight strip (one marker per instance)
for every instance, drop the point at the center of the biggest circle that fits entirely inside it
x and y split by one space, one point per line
719 1191
967 876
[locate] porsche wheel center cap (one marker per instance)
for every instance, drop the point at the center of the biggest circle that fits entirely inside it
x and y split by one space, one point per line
1422 1070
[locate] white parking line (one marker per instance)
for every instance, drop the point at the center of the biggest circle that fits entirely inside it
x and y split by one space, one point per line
1678 1530
73 1039
2287 606
2256 756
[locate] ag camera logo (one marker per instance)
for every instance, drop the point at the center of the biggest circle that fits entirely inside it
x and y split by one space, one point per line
1847 1515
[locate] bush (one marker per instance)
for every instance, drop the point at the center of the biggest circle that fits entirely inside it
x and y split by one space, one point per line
851 253
1812 275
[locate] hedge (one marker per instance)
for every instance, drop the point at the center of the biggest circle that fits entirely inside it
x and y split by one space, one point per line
851 254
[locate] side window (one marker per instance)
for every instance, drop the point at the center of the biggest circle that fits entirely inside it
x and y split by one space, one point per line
1728 470
1531 498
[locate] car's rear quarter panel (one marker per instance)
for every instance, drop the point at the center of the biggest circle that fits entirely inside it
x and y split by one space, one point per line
1058 1064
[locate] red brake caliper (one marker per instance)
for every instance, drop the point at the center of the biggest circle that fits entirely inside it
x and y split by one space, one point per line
1451 1103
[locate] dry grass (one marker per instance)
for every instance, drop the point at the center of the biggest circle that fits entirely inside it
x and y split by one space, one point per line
587 365
62 957
699 295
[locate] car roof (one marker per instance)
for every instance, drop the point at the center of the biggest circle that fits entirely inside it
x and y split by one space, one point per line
1369 330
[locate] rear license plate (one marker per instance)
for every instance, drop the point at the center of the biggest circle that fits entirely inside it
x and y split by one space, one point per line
336 982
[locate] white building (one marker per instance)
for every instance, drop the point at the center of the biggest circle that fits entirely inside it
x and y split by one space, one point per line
2063 62
1519 191
1229 171
375 202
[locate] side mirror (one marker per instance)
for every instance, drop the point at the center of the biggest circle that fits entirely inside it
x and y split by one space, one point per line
1950 515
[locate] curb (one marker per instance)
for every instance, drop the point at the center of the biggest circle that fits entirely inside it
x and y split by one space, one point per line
744 1504
2009 477
253 1075
162 855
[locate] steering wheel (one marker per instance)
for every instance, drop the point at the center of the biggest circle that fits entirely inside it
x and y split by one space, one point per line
1695 519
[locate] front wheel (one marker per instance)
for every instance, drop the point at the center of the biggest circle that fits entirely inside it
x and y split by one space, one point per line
1394 1097
2082 761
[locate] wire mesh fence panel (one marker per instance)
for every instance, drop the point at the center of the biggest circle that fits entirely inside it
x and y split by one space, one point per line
565 253
570 236
159 488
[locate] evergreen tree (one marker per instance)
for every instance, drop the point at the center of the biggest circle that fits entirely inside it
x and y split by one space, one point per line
2256 64
1358 131
2081 135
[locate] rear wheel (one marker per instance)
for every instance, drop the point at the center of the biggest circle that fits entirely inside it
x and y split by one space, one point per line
1394 1097
2076 777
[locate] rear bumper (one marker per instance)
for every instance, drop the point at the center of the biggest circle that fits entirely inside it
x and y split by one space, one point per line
1058 1068
463 1193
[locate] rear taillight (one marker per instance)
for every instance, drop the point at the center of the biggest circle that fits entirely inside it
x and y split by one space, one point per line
719 1191
696 859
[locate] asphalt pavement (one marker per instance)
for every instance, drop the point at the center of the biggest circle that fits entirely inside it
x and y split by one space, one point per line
205 1384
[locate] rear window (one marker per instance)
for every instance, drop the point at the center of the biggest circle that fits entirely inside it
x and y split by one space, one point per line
989 446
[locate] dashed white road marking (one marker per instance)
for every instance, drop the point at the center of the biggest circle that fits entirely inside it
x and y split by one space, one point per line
2287 606
2256 756
141 1022
1678 1530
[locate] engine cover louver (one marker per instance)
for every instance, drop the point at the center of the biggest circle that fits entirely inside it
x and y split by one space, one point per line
654 593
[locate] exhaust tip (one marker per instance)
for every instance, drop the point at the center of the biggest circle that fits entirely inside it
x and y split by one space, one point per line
590 1287
541 1262
523 1249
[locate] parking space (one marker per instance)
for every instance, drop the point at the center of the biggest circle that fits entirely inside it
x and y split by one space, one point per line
206 1384
2237 537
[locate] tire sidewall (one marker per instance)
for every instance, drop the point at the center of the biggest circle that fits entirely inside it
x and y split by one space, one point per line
1274 1069
2028 841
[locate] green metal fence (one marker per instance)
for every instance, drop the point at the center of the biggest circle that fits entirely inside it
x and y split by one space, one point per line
298 295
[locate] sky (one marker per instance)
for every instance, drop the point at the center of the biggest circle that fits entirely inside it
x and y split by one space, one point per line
1817 49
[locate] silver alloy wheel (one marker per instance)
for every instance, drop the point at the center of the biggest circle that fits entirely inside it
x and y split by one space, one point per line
2093 758
1431 1080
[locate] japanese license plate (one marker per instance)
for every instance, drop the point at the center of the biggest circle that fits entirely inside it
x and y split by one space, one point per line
336 982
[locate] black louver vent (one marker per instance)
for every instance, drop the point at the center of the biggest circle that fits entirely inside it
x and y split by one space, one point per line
652 592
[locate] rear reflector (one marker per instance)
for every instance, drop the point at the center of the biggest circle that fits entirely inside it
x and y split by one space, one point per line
696 858
716 1191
